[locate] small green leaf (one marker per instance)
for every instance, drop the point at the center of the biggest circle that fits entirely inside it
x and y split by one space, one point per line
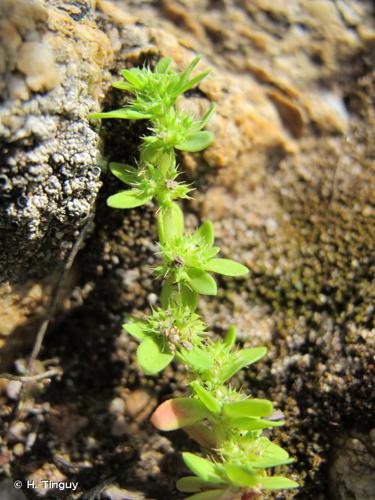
254 424
211 252
264 463
202 282
128 199
230 337
133 76
163 65
194 81
277 483
216 494
199 360
185 75
124 113
196 142
167 163
240 476
122 86
170 223
206 233
227 267
136 328
203 468
125 173
191 484
240 359
179 412
248 408
189 297
207 117
211 403
178 294
166 294
270 454
151 358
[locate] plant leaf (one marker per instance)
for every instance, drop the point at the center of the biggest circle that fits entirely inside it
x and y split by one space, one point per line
189 297
199 360
211 252
230 337
191 484
238 360
136 328
170 223
202 282
248 408
203 468
196 142
128 199
151 358
166 294
194 81
125 173
240 476
227 267
202 435
270 454
206 233
123 113
254 424
182 294
207 117
210 402
163 65
133 76
176 413
185 75
263 463
277 483
122 86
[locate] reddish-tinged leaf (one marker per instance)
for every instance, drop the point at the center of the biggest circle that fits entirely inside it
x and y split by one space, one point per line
176 413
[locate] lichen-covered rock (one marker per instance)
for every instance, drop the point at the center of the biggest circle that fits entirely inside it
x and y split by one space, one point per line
49 178
49 171
289 184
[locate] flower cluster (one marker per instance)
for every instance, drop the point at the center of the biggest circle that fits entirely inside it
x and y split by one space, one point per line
227 423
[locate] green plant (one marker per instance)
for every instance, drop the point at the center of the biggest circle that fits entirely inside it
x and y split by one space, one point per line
227 423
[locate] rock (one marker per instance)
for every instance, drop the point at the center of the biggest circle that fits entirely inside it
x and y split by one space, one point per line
18 431
37 62
139 405
19 449
352 469
48 84
116 493
12 389
117 406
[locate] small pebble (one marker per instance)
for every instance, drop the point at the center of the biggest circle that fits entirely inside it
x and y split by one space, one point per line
13 389
117 406
19 449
